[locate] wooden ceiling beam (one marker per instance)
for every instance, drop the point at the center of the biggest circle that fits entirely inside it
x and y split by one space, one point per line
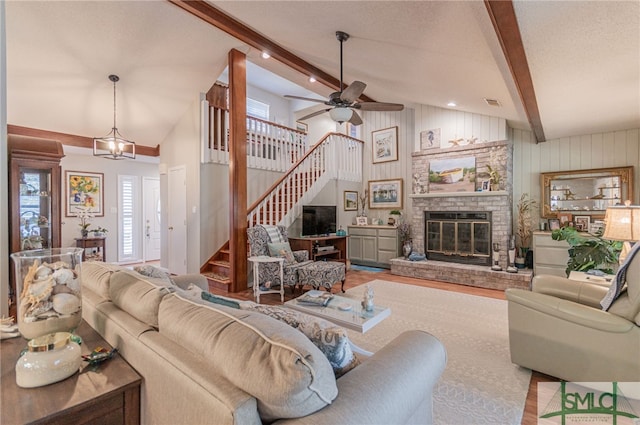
72 139
505 23
238 30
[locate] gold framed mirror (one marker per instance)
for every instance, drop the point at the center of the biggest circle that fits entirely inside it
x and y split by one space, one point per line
585 192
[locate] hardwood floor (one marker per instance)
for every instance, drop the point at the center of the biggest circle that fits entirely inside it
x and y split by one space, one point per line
356 278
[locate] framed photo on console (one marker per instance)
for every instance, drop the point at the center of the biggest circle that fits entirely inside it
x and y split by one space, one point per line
554 224
361 221
582 222
564 218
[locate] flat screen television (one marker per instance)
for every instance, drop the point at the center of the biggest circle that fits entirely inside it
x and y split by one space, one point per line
318 220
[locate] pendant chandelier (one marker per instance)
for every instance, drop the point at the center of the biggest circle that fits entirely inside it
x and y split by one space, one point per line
113 145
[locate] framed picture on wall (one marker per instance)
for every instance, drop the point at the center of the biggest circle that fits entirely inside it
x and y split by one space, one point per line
385 145
350 200
385 194
430 139
84 193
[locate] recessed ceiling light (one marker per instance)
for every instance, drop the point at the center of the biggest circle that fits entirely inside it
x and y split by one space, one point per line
265 55
312 80
452 104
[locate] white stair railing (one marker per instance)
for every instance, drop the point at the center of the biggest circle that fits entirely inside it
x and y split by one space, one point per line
336 156
270 146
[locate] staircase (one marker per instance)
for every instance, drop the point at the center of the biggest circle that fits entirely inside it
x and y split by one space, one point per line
335 156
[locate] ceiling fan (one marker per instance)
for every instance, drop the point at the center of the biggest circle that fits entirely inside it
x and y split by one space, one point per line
344 102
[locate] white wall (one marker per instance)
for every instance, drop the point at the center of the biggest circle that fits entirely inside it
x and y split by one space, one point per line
600 150
279 111
76 159
4 172
182 148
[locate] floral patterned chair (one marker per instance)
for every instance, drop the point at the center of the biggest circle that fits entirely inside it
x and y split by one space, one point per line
270 272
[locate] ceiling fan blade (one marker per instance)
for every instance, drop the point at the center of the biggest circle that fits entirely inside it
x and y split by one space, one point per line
314 114
308 99
353 92
355 119
379 106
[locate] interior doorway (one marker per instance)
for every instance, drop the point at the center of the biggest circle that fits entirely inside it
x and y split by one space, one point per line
177 220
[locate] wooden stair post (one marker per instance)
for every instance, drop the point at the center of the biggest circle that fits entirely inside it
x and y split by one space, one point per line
238 169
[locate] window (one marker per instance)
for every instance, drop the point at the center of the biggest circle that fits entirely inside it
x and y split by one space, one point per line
129 218
257 109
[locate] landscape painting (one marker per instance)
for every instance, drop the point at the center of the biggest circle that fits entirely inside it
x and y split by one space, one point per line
452 175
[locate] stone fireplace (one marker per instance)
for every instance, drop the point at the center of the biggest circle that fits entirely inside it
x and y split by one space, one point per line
456 229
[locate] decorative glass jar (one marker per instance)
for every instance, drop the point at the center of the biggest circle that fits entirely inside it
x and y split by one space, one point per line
48 359
48 290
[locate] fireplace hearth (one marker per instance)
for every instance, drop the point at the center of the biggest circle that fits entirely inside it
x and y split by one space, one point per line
458 236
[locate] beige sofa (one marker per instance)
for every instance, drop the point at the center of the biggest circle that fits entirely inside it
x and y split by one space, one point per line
203 363
559 328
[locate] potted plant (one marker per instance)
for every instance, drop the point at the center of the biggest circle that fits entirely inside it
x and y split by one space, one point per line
525 226
394 220
587 252
99 232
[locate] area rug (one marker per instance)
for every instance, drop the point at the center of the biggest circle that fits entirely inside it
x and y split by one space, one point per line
480 385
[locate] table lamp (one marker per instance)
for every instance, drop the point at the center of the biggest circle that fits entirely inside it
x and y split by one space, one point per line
622 223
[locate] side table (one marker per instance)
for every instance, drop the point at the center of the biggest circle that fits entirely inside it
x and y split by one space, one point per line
108 394
604 280
99 244
263 259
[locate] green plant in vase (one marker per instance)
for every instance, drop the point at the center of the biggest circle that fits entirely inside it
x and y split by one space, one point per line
589 252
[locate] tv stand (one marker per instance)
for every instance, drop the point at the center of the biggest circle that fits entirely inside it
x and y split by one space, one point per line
339 253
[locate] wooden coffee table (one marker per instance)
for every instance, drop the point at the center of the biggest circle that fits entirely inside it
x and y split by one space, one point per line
355 318
108 394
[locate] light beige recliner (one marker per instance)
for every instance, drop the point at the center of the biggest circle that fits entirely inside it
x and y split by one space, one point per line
559 328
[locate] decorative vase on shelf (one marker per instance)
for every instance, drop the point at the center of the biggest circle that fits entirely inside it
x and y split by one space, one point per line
407 248
84 233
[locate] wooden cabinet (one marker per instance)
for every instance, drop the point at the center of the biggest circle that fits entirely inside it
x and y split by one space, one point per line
330 248
108 394
94 248
373 245
549 256
35 195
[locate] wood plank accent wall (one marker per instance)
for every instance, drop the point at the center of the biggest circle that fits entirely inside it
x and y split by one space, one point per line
600 150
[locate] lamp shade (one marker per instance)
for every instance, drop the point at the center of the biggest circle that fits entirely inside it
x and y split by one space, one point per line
340 114
622 223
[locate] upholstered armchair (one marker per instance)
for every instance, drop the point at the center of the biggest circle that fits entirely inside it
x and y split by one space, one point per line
559 328
259 241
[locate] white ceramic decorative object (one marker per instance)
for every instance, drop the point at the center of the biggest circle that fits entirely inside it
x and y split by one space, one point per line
50 358
48 290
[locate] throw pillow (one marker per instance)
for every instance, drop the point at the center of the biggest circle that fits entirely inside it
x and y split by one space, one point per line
282 250
152 271
332 340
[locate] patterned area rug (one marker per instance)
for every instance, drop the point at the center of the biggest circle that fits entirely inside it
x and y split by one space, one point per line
480 385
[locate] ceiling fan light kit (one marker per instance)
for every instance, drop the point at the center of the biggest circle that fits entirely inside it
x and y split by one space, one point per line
113 145
344 102
340 114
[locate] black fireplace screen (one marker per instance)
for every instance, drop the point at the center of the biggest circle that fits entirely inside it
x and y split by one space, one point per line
459 237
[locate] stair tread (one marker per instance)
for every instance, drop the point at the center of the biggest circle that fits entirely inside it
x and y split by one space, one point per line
217 277
223 263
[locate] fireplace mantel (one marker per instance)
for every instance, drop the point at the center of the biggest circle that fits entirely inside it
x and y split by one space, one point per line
457 194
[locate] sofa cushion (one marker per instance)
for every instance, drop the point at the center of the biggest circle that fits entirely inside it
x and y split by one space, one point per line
268 359
138 295
332 340
96 275
152 271
283 250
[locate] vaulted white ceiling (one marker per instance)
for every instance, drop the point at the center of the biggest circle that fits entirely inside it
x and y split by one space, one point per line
584 59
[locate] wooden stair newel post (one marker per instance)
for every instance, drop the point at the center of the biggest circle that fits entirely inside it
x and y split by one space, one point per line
237 169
